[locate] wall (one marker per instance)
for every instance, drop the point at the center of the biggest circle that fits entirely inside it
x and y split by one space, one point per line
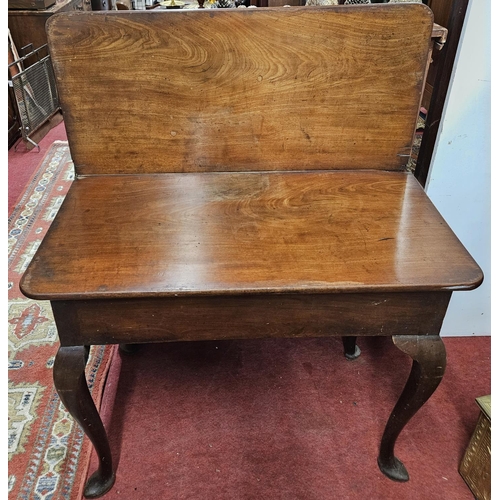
459 177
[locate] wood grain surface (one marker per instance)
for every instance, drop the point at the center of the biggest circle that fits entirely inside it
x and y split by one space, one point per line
248 316
241 89
263 232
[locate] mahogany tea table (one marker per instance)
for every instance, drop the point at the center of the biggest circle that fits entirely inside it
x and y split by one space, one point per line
241 174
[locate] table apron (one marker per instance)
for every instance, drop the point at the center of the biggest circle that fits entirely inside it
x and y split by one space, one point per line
116 321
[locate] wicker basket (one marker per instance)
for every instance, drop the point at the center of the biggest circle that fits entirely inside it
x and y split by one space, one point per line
475 467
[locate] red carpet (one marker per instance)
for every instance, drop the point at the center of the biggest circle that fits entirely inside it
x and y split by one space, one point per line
285 419
23 163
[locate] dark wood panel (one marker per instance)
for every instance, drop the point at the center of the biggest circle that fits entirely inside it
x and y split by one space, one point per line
441 82
441 10
28 29
310 88
276 232
256 316
28 26
30 4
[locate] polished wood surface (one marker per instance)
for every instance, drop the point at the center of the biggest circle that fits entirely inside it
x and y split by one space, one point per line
225 90
225 233
107 321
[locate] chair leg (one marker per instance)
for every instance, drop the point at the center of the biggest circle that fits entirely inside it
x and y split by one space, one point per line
351 350
429 363
71 385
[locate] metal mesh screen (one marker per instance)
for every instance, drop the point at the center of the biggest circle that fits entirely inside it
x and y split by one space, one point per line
36 94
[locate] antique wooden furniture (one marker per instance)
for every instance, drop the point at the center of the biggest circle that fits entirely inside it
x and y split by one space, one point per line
248 182
27 26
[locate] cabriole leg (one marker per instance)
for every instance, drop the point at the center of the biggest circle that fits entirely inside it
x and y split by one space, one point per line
71 385
429 363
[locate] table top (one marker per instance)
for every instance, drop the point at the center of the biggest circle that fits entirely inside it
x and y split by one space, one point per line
234 233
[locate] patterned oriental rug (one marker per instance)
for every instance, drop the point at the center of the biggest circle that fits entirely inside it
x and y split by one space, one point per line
48 455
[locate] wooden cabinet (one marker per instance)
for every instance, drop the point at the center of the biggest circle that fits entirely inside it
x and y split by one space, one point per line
441 10
28 26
